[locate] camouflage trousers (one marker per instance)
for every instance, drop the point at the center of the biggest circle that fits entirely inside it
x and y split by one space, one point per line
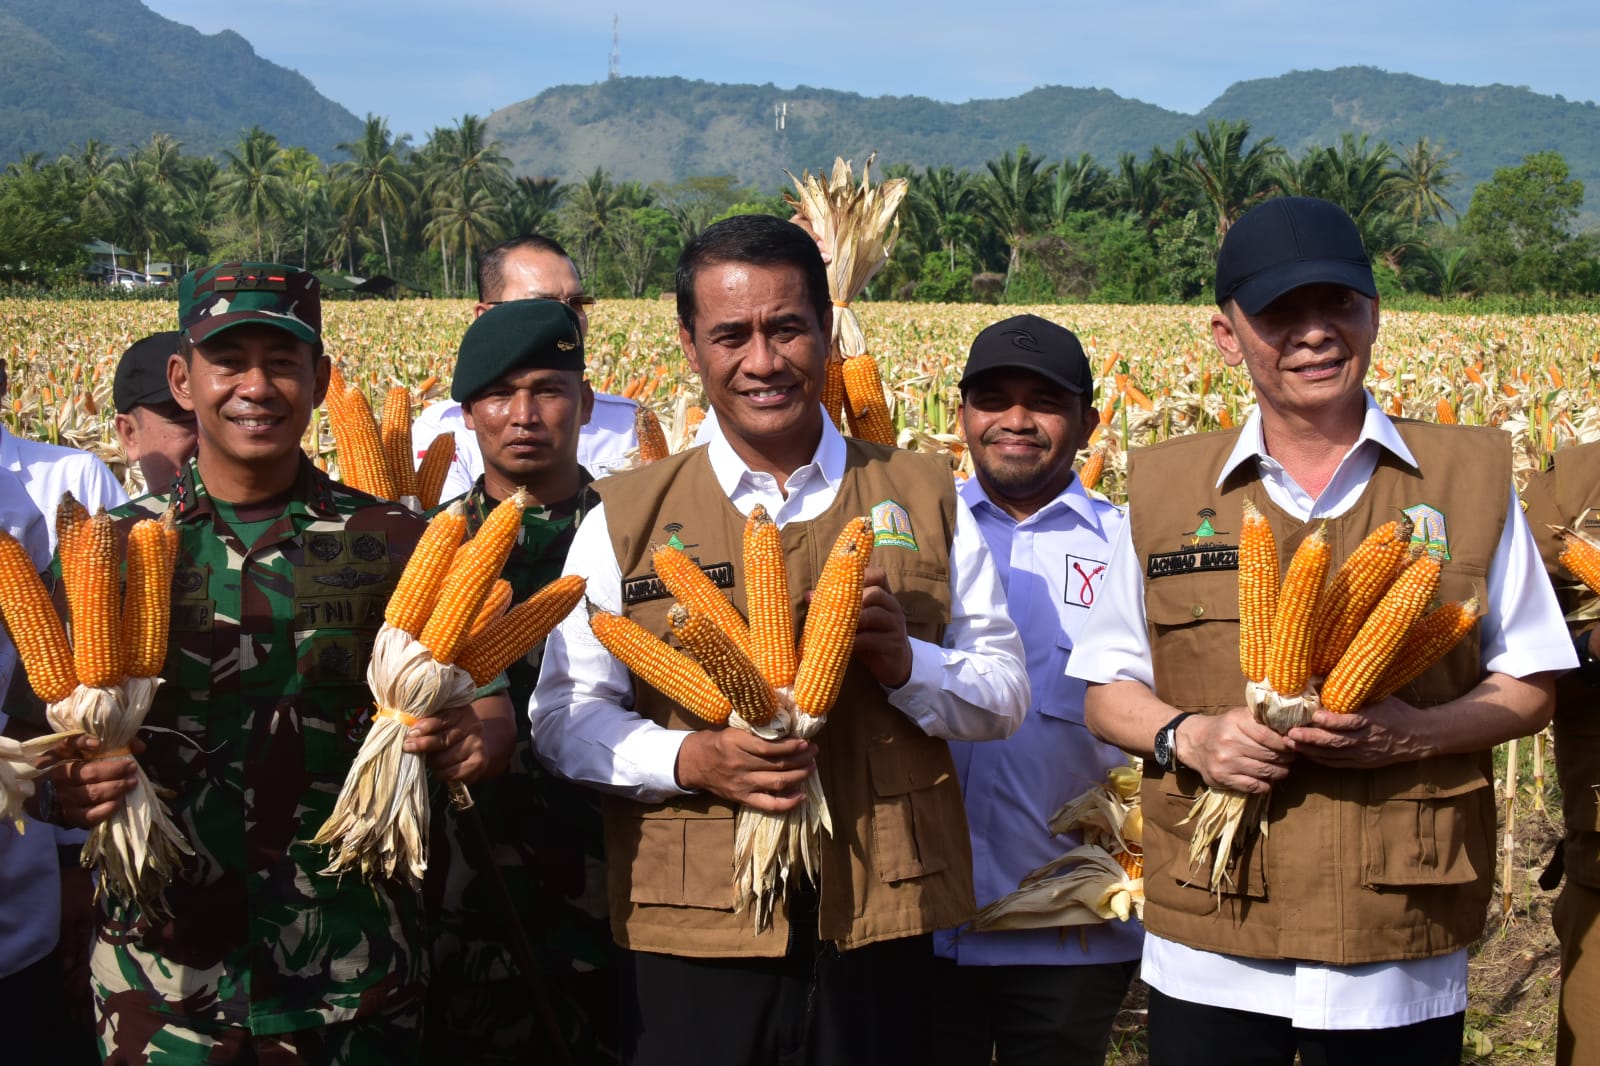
135 1037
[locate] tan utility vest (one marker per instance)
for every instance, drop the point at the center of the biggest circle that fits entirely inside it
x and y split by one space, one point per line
899 862
1358 865
1569 495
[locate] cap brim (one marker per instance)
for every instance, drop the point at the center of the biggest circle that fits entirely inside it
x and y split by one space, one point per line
972 373
211 326
1257 292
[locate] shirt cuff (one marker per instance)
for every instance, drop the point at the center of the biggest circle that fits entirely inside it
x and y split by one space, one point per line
917 698
653 753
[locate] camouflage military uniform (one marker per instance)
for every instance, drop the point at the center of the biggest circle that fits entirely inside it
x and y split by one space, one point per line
547 841
263 708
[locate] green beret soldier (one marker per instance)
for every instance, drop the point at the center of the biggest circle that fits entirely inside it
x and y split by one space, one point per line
519 377
280 586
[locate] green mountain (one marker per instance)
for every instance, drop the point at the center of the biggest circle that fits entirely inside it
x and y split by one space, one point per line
116 71
666 129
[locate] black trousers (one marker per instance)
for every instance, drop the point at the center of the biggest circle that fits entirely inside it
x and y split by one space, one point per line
1192 1034
815 1006
1026 1015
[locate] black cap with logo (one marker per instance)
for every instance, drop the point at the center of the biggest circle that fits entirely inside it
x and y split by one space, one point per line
1028 342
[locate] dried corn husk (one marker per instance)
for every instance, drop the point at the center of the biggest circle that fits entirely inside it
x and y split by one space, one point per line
137 849
379 824
19 768
1094 889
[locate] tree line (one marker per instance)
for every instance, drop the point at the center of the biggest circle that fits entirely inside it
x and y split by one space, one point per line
1023 229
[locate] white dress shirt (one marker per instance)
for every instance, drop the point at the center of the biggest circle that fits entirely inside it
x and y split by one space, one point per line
1521 633
603 443
1052 564
48 470
973 686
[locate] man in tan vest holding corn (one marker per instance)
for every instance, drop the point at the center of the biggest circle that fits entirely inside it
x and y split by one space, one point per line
1341 933
839 975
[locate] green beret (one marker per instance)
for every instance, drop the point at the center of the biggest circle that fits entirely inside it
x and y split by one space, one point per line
516 335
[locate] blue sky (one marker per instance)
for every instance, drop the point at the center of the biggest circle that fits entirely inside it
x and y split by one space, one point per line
423 65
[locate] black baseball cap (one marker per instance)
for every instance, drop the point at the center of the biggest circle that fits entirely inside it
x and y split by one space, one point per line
1028 342
141 378
1282 244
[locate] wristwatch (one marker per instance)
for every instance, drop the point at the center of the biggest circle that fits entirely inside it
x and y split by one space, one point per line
1166 745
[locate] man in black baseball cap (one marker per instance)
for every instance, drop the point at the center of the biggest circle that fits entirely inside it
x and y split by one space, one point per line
1343 936
155 432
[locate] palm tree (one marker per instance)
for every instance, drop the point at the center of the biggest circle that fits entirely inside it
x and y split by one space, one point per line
1424 174
585 217
465 219
1011 196
376 179
306 181
1228 179
1080 185
254 185
534 202
940 206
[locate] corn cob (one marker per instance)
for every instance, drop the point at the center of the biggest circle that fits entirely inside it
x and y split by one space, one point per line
97 652
487 552
1258 591
833 391
396 440
730 668
146 606
830 629
1351 682
869 413
433 468
1444 414
509 637
652 441
766 589
418 589
1132 863
365 448
1434 634
1581 557
1093 467
70 518
494 606
35 627
1359 584
679 677
692 588
1289 659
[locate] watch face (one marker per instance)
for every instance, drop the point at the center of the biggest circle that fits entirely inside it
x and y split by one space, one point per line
1164 749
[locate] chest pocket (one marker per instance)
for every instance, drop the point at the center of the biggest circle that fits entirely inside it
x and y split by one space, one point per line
923 592
1194 629
190 648
1061 696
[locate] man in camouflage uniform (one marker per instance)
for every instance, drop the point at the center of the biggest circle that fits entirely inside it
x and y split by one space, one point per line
280 586
519 378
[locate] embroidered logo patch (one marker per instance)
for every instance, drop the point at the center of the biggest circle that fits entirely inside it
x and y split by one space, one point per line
891 525
1205 530
1083 580
1428 531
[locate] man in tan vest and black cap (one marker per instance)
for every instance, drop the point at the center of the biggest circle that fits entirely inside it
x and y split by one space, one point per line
839 976
1341 933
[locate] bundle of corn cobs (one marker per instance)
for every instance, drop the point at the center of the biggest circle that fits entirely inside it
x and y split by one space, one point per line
857 224
377 459
1100 879
102 683
1581 556
1305 644
752 677
446 633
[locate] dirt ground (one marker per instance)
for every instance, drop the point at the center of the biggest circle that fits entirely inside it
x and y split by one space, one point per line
1514 977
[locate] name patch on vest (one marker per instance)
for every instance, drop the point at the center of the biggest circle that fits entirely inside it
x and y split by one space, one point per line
1590 520
648 587
1200 558
891 525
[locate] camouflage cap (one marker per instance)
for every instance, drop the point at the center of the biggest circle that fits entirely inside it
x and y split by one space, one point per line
516 335
231 294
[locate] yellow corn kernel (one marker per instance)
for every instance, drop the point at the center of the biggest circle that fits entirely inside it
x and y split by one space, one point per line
730 668
766 590
395 436
652 441
1360 582
418 588
869 412
365 448
1581 557
691 587
1093 468
465 592
1434 634
1258 591
494 605
830 629
1132 863
97 652
147 603
833 391
35 627
433 469
676 675
1352 682
512 635
1289 658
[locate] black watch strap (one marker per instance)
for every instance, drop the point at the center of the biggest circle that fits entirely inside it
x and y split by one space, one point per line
1166 743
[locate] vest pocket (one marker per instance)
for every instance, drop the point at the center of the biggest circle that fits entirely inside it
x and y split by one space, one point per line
683 859
1191 616
1427 823
905 807
1246 875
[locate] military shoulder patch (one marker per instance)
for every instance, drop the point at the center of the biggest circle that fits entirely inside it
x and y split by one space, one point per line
891 525
1428 530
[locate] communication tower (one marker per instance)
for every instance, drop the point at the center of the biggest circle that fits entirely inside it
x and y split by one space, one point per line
614 69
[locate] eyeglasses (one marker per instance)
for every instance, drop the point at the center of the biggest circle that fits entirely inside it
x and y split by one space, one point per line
580 303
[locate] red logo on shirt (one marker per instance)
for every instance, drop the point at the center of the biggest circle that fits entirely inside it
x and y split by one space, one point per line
1083 580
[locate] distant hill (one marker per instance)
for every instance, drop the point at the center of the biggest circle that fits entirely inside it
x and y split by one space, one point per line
666 129
116 71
